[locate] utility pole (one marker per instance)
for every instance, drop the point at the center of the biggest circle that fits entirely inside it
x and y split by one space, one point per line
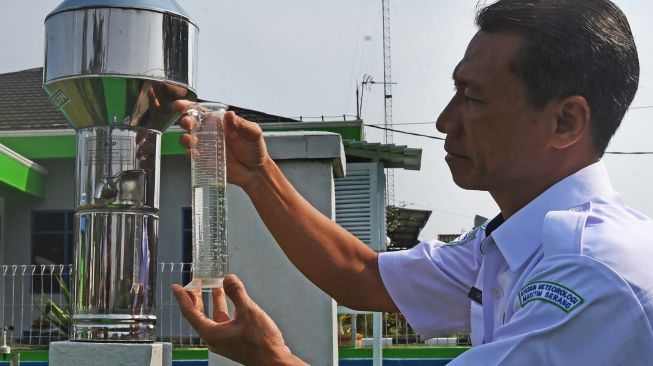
387 98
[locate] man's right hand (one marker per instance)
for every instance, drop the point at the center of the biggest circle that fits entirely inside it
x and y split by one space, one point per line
249 337
246 151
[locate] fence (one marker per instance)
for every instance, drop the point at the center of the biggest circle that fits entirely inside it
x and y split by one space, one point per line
395 331
28 293
35 302
171 326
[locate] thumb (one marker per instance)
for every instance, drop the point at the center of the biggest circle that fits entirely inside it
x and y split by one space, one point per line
245 129
235 289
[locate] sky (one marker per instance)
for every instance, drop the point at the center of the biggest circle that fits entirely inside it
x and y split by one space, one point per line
305 58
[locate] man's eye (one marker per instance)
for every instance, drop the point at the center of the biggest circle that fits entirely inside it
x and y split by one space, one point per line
461 91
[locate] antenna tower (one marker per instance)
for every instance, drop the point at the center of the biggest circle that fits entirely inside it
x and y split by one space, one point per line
387 93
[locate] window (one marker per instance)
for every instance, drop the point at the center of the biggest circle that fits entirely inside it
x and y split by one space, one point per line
186 242
52 243
360 203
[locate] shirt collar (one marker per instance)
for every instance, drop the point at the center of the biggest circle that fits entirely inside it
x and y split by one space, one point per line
519 237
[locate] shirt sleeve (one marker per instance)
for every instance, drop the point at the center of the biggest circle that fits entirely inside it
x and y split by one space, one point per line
572 310
430 282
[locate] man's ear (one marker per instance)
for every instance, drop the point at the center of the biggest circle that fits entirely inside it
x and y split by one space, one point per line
572 122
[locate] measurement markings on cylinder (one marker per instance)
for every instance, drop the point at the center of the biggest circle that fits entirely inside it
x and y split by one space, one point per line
116 150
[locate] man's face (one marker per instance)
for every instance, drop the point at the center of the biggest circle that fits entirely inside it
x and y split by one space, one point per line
496 138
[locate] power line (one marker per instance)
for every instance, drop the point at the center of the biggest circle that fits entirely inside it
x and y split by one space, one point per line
404 123
404 132
345 116
434 122
442 139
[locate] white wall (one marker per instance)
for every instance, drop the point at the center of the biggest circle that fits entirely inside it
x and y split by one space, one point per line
305 315
58 193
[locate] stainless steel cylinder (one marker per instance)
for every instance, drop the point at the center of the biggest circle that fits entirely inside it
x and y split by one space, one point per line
115 278
116 233
118 168
114 69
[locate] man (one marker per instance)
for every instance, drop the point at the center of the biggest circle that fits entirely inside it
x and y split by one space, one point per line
560 276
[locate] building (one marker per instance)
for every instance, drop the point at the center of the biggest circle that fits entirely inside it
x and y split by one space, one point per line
38 149
37 184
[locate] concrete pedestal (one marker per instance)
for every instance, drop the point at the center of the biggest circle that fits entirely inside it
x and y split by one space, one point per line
109 354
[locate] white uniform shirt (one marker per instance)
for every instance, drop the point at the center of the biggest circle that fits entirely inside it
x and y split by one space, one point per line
567 280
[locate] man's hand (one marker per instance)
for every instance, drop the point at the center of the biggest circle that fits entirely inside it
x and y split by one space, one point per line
250 338
246 151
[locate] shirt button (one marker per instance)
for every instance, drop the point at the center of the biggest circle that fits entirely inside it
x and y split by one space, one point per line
496 292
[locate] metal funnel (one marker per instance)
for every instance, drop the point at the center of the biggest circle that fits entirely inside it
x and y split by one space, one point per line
118 62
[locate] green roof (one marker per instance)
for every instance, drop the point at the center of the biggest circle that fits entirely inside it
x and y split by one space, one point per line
60 143
391 155
21 173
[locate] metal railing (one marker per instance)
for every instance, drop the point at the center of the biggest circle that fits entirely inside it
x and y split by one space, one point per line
395 331
34 302
171 326
28 294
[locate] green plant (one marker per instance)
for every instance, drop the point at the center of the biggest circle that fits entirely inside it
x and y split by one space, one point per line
344 329
392 222
54 315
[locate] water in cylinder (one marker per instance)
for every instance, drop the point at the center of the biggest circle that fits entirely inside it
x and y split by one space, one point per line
208 180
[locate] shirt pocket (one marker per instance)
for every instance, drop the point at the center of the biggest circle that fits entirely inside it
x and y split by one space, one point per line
476 322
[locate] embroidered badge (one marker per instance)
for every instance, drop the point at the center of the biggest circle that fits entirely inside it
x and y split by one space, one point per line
551 292
468 236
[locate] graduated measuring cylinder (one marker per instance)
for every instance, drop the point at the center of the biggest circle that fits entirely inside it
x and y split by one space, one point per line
208 179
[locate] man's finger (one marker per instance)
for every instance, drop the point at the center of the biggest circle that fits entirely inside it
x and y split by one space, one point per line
220 310
187 123
247 130
181 104
187 140
195 318
196 297
235 289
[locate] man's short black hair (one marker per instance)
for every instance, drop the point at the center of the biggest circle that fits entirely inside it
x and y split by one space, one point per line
572 47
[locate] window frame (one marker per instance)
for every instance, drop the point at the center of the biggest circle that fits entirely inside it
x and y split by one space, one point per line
186 245
68 233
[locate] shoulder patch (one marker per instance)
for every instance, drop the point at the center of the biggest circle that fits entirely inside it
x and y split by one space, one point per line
551 292
466 237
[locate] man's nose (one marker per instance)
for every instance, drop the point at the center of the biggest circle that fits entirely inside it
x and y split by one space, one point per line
449 120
